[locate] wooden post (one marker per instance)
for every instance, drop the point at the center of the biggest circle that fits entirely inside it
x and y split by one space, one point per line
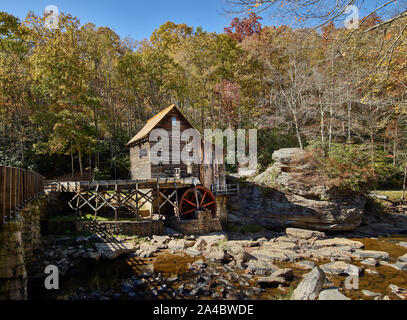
137 205
7 188
2 195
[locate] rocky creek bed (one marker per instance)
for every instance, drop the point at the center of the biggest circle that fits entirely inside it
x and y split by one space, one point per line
295 264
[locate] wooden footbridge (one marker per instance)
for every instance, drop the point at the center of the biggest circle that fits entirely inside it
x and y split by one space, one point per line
18 187
180 197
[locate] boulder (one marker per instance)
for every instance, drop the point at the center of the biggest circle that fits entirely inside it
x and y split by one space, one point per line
370 262
271 281
340 268
332 294
200 244
291 194
177 245
310 286
286 273
288 155
304 234
215 255
260 267
371 271
237 252
161 239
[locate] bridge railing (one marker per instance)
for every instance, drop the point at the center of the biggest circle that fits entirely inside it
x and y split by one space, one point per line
17 188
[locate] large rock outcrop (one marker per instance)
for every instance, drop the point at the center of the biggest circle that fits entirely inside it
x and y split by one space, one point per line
291 194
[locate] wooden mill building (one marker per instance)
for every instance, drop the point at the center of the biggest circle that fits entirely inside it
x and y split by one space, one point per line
210 175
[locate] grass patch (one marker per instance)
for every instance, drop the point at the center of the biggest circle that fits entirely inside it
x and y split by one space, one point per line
392 195
100 218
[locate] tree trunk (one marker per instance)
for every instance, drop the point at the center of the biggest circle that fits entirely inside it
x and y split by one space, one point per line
80 164
72 165
349 121
297 131
322 125
395 144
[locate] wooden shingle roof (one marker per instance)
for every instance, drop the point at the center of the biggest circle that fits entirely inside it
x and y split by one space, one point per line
152 123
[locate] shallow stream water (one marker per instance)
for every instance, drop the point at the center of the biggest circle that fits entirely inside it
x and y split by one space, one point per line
109 276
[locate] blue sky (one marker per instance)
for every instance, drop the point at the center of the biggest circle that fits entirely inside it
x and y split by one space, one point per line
137 18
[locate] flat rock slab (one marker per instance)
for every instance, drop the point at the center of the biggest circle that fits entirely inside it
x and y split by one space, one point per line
245 243
112 250
339 242
332 294
403 258
304 234
275 255
193 252
363 254
399 266
328 253
340 268
403 244
280 245
213 238
306 265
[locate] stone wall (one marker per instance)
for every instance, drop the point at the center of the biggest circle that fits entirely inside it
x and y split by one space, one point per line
131 228
31 234
204 223
13 274
19 241
222 210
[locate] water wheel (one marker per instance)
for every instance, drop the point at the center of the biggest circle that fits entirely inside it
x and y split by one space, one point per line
190 203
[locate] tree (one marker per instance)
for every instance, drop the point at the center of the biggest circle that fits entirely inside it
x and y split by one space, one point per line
242 29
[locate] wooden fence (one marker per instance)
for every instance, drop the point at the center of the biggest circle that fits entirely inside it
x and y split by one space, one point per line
17 188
